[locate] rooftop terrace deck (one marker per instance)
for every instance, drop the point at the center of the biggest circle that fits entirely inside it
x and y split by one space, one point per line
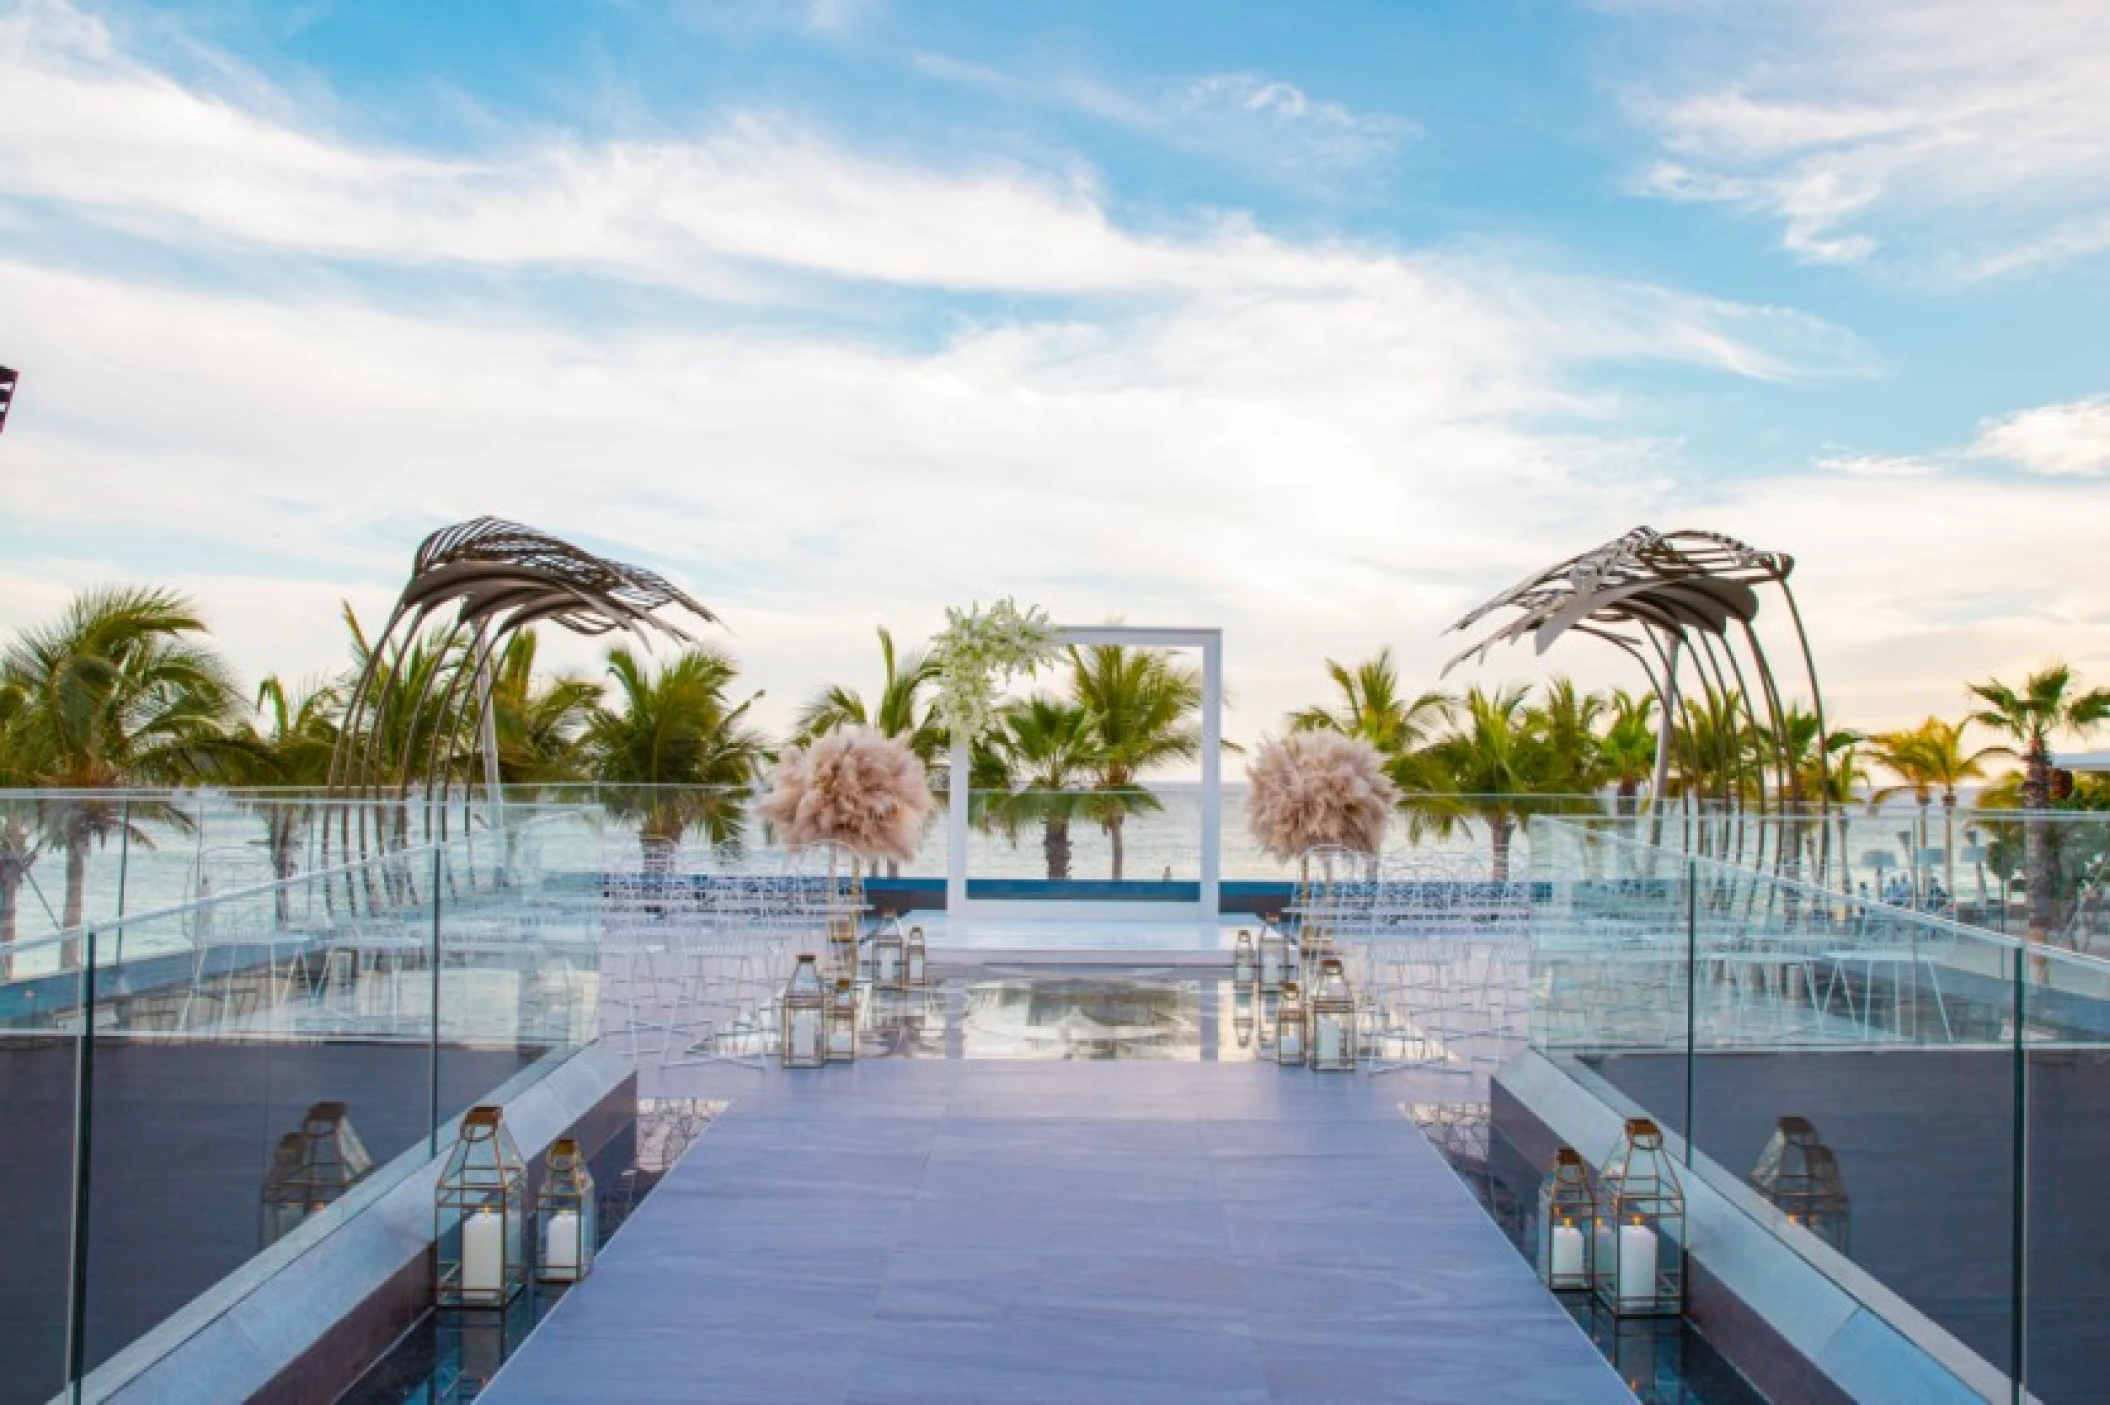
937 1230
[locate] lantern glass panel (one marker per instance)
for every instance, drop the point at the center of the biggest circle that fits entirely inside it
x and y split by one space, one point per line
889 958
1333 1042
804 1016
1639 1255
842 1022
313 1168
1274 957
915 958
1567 1224
566 1212
1289 1026
480 1210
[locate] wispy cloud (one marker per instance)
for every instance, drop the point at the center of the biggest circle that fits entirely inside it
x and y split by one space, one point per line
1968 141
1266 125
2069 440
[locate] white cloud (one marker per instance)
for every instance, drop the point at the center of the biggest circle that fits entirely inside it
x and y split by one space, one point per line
1891 466
1320 445
1967 140
2072 439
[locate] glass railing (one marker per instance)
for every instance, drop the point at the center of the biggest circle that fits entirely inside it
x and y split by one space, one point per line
190 1088
1968 863
1948 1085
72 859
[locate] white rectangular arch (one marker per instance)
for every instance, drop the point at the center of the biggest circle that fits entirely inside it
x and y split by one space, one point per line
1210 643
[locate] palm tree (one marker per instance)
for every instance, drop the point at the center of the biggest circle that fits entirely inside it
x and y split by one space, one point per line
1566 722
1716 738
117 693
1045 746
1142 707
1494 756
1933 756
2045 705
295 751
1901 754
677 755
1373 707
900 711
540 730
21 842
388 728
1626 753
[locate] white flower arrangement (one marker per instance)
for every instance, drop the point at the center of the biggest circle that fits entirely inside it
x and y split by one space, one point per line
977 652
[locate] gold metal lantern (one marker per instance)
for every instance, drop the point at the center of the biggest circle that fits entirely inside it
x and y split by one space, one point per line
804 1017
1567 1224
889 957
1800 1176
915 959
1638 1260
842 1022
1290 1026
567 1214
1274 955
1332 1017
480 1216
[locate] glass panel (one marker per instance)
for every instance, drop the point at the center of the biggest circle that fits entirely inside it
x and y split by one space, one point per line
1852 1089
260 1053
39 1069
517 954
2067 1232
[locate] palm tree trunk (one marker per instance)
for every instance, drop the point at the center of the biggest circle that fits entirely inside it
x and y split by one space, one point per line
2036 796
1948 843
1499 829
76 879
10 885
1113 834
76 895
1055 842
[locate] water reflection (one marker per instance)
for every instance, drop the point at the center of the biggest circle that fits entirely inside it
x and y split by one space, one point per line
312 1169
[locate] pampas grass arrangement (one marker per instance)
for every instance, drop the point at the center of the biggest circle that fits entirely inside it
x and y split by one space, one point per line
1314 790
851 787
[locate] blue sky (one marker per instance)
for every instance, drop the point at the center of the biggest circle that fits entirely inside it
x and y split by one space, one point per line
1319 322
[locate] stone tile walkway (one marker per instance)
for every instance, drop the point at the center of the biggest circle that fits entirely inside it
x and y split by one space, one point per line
935 1231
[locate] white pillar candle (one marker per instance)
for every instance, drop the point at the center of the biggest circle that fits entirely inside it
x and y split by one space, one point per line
1330 1040
483 1253
805 1030
560 1242
1637 1264
1293 1044
840 1039
1567 1252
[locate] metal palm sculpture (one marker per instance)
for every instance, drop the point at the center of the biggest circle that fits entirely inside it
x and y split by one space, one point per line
416 697
1666 598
